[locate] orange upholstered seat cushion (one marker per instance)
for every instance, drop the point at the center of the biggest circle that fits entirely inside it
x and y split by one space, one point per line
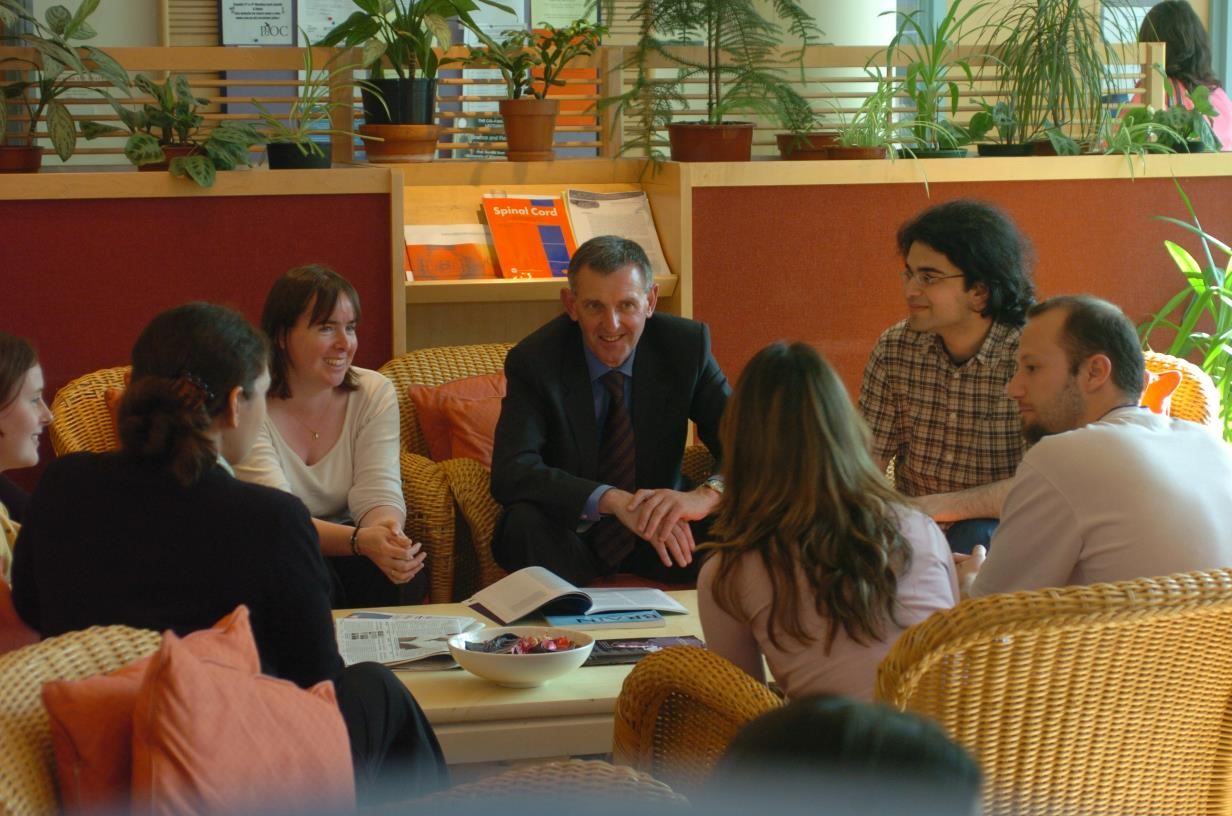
458 418
208 738
1158 392
91 719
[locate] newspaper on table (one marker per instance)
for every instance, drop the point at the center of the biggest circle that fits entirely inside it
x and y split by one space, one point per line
400 641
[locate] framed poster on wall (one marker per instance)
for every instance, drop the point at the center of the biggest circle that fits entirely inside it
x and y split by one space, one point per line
257 22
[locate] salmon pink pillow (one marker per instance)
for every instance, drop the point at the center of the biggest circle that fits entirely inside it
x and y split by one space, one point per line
92 718
458 418
208 738
1158 392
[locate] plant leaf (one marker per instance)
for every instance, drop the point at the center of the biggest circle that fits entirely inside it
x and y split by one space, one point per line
142 148
107 67
60 129
198 168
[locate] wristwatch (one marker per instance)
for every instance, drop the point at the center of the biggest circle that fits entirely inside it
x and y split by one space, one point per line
715 483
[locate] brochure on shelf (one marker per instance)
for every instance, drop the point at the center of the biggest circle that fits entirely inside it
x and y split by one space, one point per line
531 234
448 252
535 589
400 640
626 214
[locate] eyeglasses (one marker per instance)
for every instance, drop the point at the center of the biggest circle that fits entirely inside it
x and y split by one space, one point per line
926 278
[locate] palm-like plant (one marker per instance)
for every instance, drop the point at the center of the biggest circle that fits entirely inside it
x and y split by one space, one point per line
742 66
1200 315
63 63
519 52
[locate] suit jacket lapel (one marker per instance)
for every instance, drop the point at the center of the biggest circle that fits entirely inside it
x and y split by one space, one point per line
579 403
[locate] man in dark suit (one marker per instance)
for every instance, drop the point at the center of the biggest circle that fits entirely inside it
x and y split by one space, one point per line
587 460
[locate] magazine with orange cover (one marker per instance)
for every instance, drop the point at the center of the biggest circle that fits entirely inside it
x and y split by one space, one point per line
531 234
448 252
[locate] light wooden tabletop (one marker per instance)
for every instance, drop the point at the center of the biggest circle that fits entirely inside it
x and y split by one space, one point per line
479 721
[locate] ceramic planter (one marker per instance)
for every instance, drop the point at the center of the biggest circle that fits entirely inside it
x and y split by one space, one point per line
20 158
805 146
407 102
700 142
530 128
989 149
400 143
287 156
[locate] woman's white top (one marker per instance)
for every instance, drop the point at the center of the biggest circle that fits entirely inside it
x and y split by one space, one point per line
359 473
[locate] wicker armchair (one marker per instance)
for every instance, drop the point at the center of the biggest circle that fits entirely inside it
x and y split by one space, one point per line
679 709
82 420
1196 398
27 774
429 504
1112 698
590 781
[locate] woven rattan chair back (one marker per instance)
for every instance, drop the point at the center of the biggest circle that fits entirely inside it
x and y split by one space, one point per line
679 709
82 420
1196 398
27 771
437 366
585 782
1112 698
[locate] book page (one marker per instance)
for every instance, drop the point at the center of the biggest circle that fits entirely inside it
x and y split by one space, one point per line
631 598
520 593
625 214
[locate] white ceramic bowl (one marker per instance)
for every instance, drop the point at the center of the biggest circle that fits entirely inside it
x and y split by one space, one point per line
520 670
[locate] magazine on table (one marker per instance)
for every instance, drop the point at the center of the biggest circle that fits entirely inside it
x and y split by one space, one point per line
400 641
618 651
535 589
636 619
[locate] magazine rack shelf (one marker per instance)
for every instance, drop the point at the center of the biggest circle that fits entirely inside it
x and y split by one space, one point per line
503 310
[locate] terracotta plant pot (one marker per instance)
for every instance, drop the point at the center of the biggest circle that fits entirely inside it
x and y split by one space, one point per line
400 143
530 128
805 146
700 142
287 156
837 152
170 151
20 158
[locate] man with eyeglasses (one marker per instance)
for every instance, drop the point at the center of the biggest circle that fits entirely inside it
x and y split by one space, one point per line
934 387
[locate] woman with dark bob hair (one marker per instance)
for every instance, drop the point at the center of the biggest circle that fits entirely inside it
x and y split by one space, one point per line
331 438
23 416
1188 60
819 564
161 535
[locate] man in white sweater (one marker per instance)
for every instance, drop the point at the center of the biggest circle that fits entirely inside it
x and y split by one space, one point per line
1110 491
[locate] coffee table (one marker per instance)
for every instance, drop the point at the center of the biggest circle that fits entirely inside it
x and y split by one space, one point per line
478 721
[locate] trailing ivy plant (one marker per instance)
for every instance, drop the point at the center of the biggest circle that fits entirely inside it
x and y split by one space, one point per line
1198 318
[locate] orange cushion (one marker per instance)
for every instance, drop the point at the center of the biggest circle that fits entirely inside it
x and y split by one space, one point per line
91 719
1158 392
458 418
208 738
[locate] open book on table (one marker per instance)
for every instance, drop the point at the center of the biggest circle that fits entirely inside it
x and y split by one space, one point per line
535 589
400 641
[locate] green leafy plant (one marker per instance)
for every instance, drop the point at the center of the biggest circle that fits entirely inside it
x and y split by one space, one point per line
742 65
548 48
872 124
1199 316
62 64
996 118
401 35
1054 67
930 77
322 92
170 119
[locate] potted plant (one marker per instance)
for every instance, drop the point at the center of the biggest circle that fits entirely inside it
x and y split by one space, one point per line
530 63
1054 66
807 138
61 64
399 40
928 81
1001 120
870 133
166 133
1198 319
289 136
741 65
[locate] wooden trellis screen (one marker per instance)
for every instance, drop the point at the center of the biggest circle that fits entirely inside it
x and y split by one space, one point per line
833 79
